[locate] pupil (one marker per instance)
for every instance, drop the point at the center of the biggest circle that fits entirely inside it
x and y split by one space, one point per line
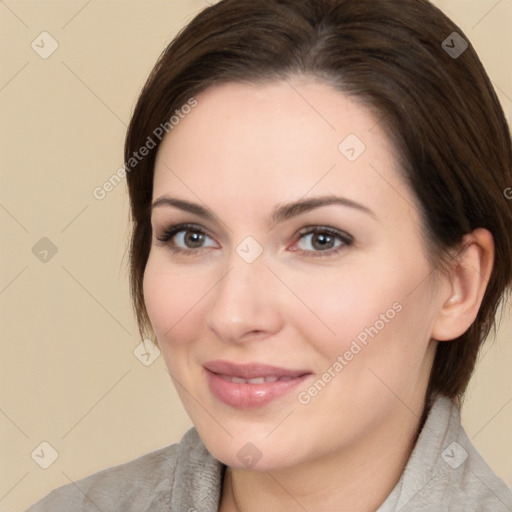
194 238
323 239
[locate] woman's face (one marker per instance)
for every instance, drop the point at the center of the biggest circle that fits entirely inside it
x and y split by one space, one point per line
341 317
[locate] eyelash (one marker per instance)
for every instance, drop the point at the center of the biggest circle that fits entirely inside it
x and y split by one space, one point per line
345 238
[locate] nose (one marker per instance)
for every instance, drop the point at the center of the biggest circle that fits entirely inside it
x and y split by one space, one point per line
245 302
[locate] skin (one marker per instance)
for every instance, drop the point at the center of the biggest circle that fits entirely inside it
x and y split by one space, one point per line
244 150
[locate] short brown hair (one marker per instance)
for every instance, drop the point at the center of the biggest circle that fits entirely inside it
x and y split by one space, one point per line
440 110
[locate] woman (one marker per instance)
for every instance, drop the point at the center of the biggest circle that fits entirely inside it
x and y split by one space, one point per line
321 239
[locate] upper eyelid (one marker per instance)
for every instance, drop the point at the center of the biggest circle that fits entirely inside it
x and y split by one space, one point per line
291 212
183 226
305 230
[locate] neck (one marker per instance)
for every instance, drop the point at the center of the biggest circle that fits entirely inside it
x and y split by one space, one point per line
355 479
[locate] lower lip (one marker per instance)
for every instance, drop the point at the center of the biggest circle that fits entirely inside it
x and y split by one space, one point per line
250 396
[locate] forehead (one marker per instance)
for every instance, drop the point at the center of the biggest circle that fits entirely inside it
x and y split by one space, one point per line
290 138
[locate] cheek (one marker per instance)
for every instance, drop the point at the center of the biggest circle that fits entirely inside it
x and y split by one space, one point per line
376 303
172 299
342 302
326 307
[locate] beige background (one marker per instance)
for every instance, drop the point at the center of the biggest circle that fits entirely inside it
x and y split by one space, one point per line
68 373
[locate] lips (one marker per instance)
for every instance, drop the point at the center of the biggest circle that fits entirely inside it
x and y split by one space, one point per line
252 370
251 385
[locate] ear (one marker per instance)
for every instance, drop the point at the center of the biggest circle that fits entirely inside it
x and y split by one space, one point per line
469 276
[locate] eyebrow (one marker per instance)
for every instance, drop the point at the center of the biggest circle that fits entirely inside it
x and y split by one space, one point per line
280 213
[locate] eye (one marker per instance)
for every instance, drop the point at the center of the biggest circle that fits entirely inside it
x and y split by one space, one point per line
189 239
188 235
322 240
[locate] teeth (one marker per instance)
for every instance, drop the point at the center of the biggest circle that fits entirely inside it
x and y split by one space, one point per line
256 380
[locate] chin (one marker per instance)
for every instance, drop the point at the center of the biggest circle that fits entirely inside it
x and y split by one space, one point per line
252 452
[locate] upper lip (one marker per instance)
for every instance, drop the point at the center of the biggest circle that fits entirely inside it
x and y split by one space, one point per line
251 370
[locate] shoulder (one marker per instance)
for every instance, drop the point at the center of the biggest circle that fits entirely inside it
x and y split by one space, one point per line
142 484
475 485
446 472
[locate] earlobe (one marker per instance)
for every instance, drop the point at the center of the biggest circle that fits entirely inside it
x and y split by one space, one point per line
469 277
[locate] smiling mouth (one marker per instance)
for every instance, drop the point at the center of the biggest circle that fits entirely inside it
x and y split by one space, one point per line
251 385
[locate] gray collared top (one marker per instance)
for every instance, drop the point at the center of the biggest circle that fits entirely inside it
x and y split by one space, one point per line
445 472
